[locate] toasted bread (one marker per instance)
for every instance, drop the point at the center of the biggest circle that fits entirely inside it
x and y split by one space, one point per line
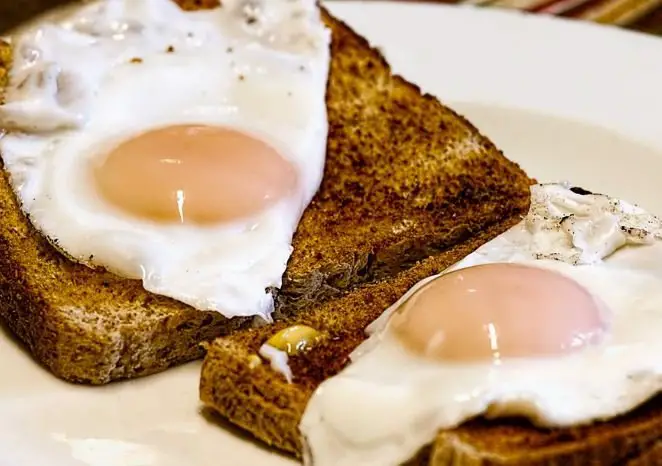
260 400
405 177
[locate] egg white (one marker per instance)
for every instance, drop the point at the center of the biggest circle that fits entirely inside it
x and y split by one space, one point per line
136 65
389 402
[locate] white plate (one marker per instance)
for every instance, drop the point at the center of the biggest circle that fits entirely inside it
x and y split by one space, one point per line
567 100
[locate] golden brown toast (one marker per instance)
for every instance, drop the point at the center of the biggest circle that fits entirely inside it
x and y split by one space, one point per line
405 177
259 400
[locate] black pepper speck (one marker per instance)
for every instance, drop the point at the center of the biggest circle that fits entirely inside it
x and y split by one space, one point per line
580 191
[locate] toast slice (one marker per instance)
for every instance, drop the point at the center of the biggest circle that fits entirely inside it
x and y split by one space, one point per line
405 177
259 399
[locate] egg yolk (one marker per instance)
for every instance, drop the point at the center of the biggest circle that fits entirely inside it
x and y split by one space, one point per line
194 174
495 311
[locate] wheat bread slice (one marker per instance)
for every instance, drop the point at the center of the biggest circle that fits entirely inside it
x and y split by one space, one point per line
400 168
405 177
259 400
633 439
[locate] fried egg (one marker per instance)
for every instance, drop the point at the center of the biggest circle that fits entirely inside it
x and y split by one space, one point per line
178 148
557 320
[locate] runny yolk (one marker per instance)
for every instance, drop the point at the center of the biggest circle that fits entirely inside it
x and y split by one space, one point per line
494 311
194 174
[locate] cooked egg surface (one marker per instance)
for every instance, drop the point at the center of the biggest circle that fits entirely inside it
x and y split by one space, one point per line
498 322
558 320
179 148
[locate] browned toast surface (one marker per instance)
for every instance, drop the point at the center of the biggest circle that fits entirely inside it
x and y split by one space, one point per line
259 400
628 440
404 177
400 168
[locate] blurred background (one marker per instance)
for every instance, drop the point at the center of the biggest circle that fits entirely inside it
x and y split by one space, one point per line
641 15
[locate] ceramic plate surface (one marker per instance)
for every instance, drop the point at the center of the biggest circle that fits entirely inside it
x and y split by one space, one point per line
567 100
